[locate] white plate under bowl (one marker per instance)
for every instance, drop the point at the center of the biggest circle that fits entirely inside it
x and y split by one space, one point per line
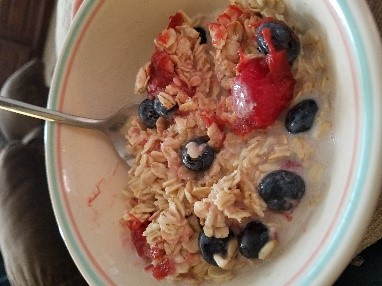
95 75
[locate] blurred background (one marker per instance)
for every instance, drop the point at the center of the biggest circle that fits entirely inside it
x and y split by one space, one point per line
24 28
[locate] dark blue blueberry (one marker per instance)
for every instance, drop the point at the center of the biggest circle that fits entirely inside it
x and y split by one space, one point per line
282 190
209 246
197 155
252 239
301 117
148 114
202 34
282 38
162 110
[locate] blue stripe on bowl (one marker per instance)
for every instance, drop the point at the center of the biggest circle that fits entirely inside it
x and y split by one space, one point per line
50 132
366 129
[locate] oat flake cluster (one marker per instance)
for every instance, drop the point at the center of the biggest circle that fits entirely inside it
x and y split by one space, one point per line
170 204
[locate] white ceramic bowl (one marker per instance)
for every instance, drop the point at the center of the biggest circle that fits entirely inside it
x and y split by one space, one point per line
95 75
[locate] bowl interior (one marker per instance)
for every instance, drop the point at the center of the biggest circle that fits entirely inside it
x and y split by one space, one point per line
108 43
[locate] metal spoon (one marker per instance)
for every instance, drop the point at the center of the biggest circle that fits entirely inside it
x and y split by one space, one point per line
111 125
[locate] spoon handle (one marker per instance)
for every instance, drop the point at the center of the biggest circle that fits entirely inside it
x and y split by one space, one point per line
46 114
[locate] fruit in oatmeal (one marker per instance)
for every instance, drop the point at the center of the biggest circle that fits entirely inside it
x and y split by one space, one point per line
137 228
197 155
164 108
218 251
300 117
282 190
161 73
262 90
264 86
253 238
163 269
202 34
276 34
147 113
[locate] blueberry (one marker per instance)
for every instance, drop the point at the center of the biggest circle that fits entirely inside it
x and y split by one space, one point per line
202 34
197 155
162 110
301 117
282 37
252 239
148 114
209 247
281 190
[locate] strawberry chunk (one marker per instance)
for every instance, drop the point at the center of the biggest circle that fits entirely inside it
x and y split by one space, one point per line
176 20
261 91
164 268
161 72
139 241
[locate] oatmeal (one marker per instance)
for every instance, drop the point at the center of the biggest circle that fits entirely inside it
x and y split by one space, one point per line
225 140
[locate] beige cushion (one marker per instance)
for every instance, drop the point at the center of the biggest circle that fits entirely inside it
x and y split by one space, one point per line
33 250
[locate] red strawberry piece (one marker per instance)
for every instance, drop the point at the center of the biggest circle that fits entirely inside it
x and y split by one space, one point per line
261 91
